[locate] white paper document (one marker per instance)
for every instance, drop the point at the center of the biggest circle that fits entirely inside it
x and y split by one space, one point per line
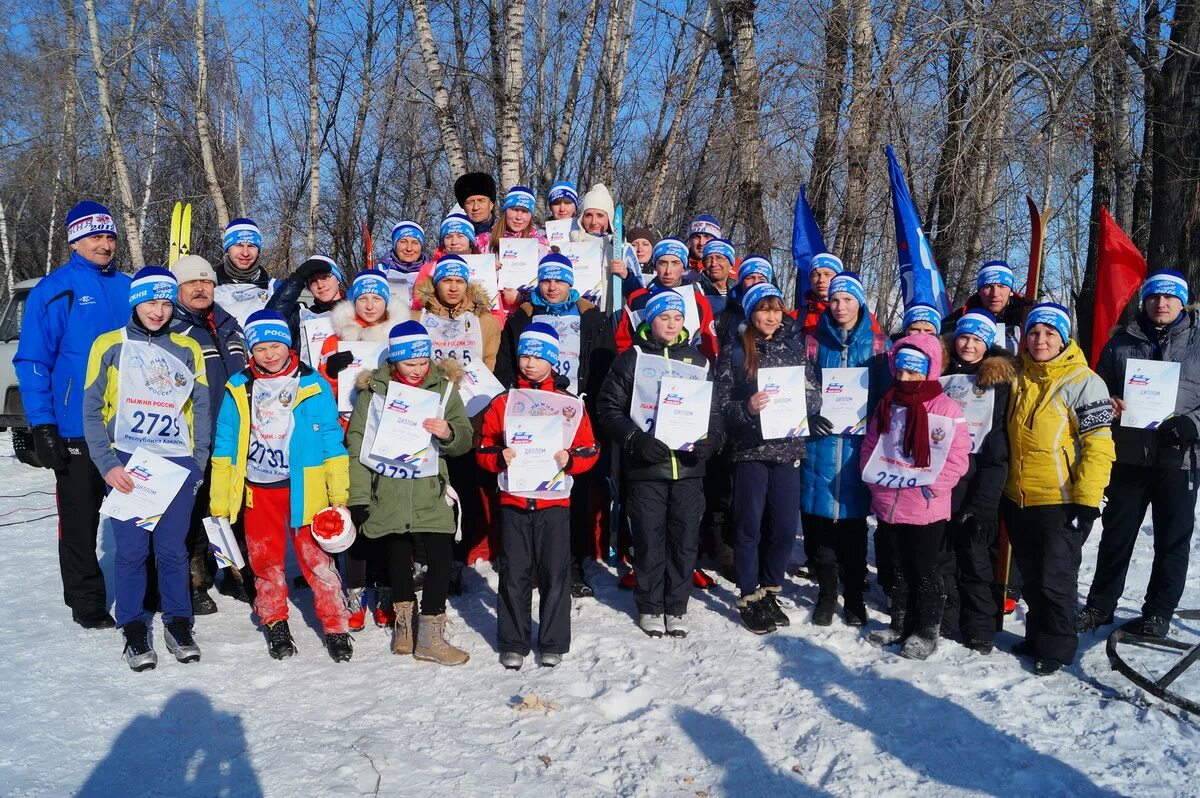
786 414
367 355
683 407
223 543
482 269
518 262
1151 388
156 481
558 231
315 329
535 439
844 399
587 261
401 437
478 387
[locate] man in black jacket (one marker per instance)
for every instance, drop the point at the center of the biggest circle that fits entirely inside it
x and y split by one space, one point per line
220 337
1156 466
995 292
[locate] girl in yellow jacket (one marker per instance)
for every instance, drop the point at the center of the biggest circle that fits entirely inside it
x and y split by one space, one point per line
1061 454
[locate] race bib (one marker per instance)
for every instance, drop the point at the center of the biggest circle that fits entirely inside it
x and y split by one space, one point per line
977 404
888 467
153 388
648 373
459 339
567 328
271 429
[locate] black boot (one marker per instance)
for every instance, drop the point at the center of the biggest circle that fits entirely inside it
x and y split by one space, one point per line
339 646
827 584
579 585
279 640
931 601
854 609
202 603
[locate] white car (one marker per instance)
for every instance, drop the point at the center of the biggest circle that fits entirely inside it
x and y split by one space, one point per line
13 416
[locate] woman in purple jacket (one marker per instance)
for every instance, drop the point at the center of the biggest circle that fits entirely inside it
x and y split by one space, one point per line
915 452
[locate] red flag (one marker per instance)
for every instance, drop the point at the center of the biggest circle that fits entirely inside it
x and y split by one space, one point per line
1120 269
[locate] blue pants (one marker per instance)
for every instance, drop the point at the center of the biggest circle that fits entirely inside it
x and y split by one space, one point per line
767 492
170 554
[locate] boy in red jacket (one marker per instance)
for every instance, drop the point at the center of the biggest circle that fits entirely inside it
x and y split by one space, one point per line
536 525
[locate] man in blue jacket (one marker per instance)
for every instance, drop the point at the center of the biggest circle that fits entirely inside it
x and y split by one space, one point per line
68 310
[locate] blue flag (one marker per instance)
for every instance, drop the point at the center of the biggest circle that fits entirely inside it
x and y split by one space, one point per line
806 242
919 277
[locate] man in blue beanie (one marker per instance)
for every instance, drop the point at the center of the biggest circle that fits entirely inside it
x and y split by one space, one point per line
65 312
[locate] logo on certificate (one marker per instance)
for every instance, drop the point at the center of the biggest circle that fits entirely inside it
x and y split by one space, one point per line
1139 379
521 437
835 387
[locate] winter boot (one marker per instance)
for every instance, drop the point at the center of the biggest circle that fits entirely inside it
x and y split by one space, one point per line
202 603
677 625
339 646
770 602
432 645
579 585
755 615
897 629
358 612
827 585
1148 626
279 640
550 659
931 602
511 660
1090 619
177 634
138 652
385 616
402 632
854 609
652 624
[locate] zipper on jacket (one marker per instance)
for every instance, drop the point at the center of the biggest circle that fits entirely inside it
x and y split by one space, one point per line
67 395
837 478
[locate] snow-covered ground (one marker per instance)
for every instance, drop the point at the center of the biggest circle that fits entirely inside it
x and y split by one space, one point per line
804 711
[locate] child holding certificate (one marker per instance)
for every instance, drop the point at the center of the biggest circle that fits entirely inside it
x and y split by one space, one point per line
766 468
914 454
536 525
665 487
146 392
279 458
401 498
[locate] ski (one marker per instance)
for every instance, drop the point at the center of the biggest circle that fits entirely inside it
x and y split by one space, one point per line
368 245
180 243
185 231
615 294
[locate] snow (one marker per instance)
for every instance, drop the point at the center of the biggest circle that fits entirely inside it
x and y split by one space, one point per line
806 711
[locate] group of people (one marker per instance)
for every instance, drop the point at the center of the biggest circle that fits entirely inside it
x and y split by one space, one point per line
275 407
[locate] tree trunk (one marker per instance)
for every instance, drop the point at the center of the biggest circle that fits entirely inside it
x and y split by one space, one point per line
829 109
202 131
747 100
852 228
314 133
511 145
437 84
558 149
346 231
119 167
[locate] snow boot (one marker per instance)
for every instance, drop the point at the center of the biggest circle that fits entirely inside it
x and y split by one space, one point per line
339 646
1090 619
358 612
138 652
1046 666
402 631
827 585
755 615
854 609
511 660
385 616
432 645
677 625
202 603
550 659
981 647
652 624
279 640
897 629
1148 626
99 619
579 585
177 634
931 602
770 602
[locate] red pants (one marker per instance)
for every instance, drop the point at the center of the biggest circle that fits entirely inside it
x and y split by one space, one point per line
266 541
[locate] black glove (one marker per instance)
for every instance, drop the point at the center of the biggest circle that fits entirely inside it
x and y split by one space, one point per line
1084 516
50 447
649 448
819 426
311 268
981 525
1177 431
704 448
359 515
337 363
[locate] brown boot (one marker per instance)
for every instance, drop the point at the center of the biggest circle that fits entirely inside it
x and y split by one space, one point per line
402 634
432 645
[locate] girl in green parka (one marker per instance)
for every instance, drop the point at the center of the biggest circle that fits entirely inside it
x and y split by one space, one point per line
394 502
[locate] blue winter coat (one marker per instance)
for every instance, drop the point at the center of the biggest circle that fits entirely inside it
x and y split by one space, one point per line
66 312
832 485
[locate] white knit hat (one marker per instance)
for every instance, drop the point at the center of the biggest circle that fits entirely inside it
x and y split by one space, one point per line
598 199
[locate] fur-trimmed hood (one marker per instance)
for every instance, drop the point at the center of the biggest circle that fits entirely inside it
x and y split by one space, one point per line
477 300
997 367
449 367
348 327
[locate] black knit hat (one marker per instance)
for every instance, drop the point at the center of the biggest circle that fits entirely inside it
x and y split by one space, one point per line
634 233
474 184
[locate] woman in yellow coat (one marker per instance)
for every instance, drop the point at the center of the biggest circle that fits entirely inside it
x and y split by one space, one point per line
1059 420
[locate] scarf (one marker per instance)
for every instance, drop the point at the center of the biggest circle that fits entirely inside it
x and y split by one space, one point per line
251 275
912 396
416 383
288 369
563 308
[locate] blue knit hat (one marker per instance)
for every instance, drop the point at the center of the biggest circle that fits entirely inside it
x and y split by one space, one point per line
826 260
756 264
556 266
669 246
409 340
663 302
910 358
719 246
241 231
995 272
408 229
979 323
266 326
451 265
1053 315
563 190
371 281
705 223
921 312
519 197
757 293
539 340
848 283
456 223
89 219
150 283
1168 282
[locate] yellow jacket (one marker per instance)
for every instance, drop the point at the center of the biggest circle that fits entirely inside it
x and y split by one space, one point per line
1059 418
